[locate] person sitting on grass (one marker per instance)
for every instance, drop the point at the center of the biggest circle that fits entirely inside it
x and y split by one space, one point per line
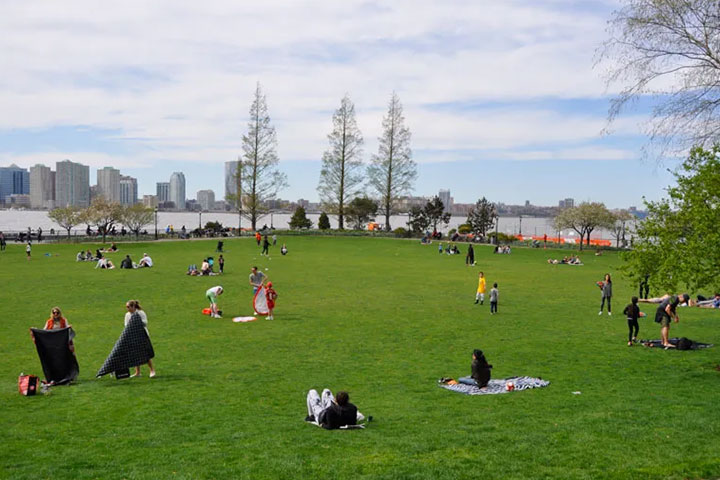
479 370
113 248
80 257
145 261
329 412
212 294
283 250
127 262
88 256
205 267
105 264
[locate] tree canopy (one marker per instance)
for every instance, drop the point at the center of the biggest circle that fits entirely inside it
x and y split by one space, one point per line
299 219
677 244
361 211
481 217
585 218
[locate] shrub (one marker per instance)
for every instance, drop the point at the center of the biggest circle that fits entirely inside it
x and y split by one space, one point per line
401 232
464 228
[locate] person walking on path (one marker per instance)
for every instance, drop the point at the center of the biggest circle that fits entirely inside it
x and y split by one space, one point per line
606 287
480 295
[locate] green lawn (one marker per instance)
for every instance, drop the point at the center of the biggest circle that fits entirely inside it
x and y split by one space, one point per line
381 318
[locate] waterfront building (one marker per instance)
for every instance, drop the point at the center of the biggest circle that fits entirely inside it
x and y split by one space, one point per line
42 187
13 181
108 184
72 184
206 199
177 190
128 190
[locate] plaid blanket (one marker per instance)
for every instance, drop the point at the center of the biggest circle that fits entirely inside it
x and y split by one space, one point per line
498 386
133 348
58 361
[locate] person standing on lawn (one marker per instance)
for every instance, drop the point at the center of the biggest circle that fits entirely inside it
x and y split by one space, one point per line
480 295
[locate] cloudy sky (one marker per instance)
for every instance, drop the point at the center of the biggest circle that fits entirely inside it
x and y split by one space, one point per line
502 98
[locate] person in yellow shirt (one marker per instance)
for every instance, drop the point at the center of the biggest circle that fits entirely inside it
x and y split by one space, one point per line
480 296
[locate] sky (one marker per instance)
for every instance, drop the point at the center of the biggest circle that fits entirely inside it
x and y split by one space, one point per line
503 99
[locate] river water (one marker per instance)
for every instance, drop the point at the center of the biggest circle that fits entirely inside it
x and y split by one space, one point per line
20 220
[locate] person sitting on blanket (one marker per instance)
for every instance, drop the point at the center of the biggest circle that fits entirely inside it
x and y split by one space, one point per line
331 413
479 370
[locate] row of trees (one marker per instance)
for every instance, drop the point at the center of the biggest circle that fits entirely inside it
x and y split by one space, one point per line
588 216
390 174
104 215
359 212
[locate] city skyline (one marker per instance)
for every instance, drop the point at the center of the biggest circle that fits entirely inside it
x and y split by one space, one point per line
503 100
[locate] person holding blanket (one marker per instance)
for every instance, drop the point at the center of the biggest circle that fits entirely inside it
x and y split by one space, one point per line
133 308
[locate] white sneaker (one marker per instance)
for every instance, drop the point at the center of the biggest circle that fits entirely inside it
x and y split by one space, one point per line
609 313
600 312
270 317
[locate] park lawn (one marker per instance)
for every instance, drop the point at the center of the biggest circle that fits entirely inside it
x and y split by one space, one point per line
381 318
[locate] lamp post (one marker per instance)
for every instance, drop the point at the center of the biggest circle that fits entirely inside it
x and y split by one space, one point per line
520 232
200 220
156 212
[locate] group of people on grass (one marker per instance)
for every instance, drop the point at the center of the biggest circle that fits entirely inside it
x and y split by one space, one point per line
257 281
567 260
480 294
207 267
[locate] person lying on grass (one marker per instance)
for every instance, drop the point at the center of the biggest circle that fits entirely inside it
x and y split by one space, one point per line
329 412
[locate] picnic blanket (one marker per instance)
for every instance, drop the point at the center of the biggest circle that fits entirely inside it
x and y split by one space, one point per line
133 348
58 361
496 386
658 344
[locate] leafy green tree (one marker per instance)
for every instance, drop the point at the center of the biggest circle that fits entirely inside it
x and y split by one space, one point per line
135 217
584 219
342 172
260 180
392 171
324 222
361 211
435 212
103 214
66 217
677 244
299 219
417 219
481 217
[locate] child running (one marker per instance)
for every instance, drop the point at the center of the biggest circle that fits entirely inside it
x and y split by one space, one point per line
271 296
212 295
480 295
493 299
632 312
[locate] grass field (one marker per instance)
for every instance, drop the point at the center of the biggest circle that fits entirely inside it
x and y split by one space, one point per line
381 318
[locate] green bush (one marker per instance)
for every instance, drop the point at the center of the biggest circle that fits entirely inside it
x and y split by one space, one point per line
401 232
464 228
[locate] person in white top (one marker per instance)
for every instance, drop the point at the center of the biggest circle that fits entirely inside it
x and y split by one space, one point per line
145 261
212 294
133 306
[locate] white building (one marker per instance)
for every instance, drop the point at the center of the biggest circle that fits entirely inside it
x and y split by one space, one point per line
72 184
177 190
446 199
206 199
42 187
231 179
108 182
128 190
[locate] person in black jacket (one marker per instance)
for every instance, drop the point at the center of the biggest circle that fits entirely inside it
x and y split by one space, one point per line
632 312
480 369
127 262
329 412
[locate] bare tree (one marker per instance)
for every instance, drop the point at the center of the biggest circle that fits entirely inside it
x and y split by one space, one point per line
618 228
392 171
135 217
260 178
341 173
66 217
668 50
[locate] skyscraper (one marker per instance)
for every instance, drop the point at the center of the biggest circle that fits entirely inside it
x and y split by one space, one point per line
108 182
42 187
72 184
206 199
13 181
163 192
446 199
128 190
231 178
177 190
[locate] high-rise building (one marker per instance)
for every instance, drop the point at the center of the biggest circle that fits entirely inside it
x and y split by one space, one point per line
206 199
108 182
42 187
231 178
128 190
446 199
566 203
13 181
72 184
163 192
177 190
150 201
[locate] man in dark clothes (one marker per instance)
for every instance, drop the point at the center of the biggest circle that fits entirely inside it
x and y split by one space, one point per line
126 263
666 312
331 413
266 246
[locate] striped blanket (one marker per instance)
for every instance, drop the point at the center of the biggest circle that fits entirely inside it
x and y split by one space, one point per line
497 386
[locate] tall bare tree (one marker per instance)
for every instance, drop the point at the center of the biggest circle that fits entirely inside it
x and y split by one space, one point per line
260 178
135 217
392 171
668 50
341 173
